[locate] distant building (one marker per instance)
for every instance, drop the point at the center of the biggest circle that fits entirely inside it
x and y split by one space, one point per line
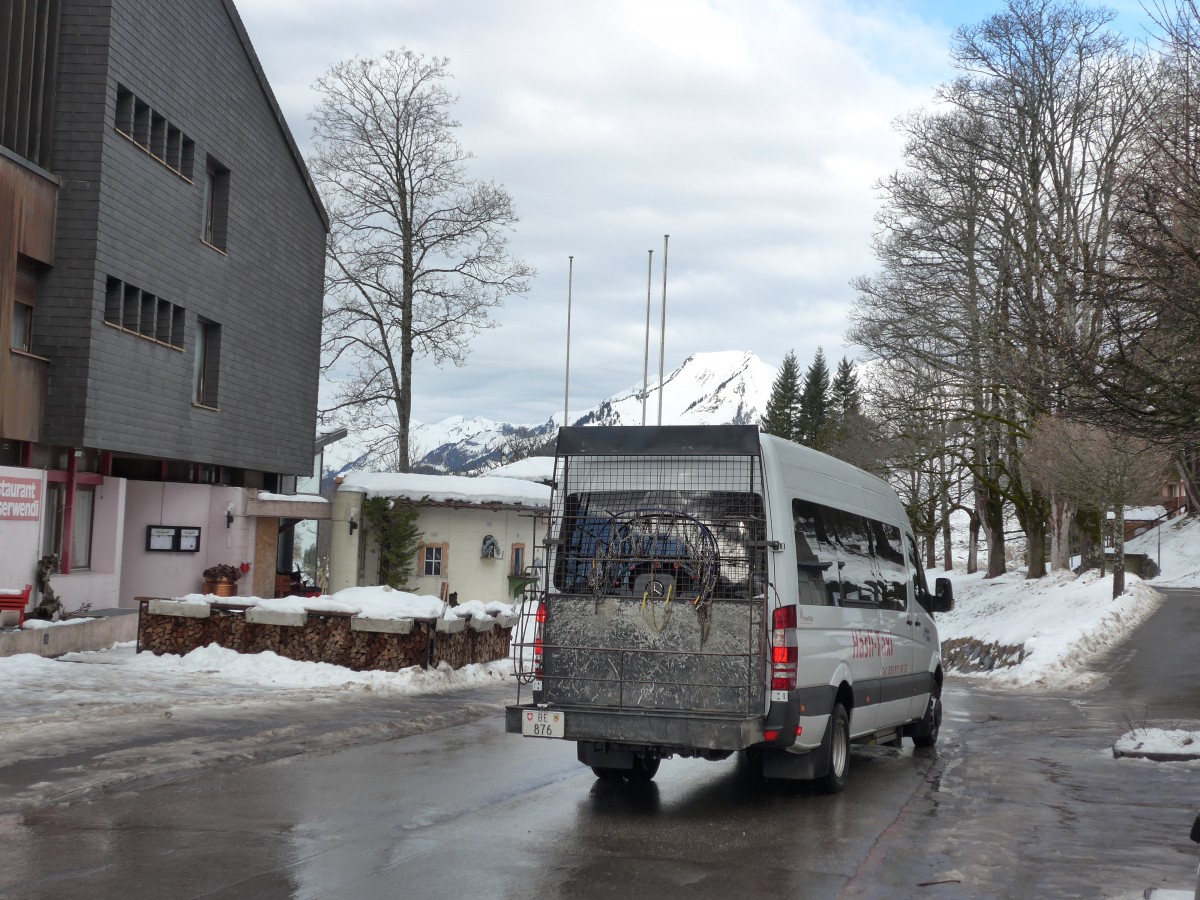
480 536
161 264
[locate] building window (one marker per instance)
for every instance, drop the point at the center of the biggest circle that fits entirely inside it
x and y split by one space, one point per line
216 204
518 559
433 561
25 300
81 523
139 312
22 326
153 133
206 365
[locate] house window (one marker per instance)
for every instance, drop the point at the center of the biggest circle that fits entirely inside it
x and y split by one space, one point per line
518 559
26 299
433 561
206 365
216 204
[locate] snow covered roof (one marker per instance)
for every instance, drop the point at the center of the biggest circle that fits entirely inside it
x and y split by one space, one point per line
291 498
532 468
1142 513
449 488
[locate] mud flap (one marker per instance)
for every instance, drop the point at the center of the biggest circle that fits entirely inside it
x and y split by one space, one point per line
593 753
798 766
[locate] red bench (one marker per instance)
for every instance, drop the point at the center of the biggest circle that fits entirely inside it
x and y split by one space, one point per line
17 601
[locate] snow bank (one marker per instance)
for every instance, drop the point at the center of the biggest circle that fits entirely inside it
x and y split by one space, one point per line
269 670
375 602
1175 546
1154 743
35 624
1063 621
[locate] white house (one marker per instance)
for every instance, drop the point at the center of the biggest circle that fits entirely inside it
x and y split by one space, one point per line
480 536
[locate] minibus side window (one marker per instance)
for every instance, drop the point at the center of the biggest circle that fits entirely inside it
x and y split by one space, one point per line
920 590
889 555
816 559
860 586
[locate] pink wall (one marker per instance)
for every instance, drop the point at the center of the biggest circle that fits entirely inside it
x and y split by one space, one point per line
121 567
169 574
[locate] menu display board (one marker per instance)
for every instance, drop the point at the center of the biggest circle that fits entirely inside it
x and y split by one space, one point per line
173 538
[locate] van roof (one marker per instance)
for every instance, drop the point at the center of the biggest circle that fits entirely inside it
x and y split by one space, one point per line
658 440
824 463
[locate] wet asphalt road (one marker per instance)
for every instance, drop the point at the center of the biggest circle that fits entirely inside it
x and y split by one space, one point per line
1022 799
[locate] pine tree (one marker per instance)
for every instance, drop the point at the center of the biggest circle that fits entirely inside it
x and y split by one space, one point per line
844 414
845 398
783 407
814 401
393 524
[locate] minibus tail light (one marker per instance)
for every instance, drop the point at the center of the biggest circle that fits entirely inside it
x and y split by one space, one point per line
538 646
784 653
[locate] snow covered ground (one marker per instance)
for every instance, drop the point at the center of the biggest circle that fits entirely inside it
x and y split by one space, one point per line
78 699
1063 622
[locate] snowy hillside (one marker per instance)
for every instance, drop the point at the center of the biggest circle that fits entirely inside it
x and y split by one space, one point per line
706 389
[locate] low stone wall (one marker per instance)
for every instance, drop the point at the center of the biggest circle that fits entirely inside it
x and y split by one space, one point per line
171 626
107 628
971 655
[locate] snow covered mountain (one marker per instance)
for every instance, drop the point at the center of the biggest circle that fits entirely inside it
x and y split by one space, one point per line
706 389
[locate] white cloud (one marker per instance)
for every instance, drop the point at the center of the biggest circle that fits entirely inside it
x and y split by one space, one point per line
752 133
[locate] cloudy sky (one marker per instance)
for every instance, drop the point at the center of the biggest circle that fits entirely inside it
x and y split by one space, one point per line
751 132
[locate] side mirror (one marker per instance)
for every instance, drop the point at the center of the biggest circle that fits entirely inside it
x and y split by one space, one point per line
943 596
1196 830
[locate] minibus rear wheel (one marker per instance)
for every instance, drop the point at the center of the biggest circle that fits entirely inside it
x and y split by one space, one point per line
926 734
834 780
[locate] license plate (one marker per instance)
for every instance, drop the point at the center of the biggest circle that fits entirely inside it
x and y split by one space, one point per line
547 723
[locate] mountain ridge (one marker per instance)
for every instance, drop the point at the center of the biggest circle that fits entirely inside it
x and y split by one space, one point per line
712 388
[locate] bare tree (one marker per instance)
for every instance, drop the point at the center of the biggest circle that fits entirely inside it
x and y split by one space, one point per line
1095 468
994 231
1146 377
417 250
917 446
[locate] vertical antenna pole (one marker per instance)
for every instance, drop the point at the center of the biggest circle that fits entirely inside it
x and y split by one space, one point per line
646 355
567 385
662 335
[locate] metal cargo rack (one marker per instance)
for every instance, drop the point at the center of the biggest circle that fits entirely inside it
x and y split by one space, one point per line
653 598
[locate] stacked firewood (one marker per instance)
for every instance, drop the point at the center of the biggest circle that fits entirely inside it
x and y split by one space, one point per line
324 638
388 652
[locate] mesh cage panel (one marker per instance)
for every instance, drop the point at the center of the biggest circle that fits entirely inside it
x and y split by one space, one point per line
653 598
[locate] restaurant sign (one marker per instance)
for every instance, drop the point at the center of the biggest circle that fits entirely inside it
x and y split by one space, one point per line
20 498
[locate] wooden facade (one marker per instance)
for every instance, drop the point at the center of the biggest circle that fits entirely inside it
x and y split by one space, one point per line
27 216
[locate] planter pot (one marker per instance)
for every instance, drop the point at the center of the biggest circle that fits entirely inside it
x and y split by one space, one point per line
222 587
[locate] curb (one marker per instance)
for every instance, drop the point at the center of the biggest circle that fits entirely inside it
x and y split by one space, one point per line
1154 756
